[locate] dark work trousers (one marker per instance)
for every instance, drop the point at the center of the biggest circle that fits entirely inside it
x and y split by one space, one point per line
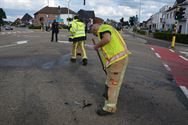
56 37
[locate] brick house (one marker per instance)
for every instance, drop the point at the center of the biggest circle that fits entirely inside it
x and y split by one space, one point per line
47 14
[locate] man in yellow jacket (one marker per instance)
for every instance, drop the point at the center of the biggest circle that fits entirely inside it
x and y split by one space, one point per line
114 55
78 36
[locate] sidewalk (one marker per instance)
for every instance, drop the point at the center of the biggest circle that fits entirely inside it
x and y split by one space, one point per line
151 38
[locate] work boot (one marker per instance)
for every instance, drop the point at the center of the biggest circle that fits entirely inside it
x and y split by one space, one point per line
84 62
73 60
102 112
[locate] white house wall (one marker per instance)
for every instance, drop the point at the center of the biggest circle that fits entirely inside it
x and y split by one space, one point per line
65 16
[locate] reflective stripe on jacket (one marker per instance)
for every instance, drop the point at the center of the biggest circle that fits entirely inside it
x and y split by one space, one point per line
115 50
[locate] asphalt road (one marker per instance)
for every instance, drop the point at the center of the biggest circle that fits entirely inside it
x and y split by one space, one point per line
40 86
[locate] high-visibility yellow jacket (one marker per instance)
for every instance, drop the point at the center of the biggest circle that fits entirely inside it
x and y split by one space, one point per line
77 30
115 50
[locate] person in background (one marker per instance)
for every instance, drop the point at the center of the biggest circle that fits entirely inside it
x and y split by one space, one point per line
55 30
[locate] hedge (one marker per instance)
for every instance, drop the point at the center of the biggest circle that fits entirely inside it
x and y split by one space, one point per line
180 38
142 32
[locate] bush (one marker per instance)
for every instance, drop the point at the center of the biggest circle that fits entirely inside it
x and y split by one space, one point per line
180 38
142 32
34 27
163 35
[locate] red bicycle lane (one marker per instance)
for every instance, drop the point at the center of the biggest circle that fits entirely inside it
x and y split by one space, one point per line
176 64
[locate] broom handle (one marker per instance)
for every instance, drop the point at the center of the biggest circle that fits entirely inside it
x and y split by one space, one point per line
99 57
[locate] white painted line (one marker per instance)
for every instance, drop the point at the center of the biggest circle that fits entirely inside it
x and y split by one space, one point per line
167 67
157 55
184 52
30 36
185 90
89 45
64 42
8 45
152 49
21 42
172 50
17 43
183 58
67 42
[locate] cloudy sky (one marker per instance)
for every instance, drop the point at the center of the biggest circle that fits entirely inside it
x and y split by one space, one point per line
112 9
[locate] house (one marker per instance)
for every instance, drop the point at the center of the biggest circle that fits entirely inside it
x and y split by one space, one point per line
47 14
169 17
156 21
86 15
27 19
17 22
182 24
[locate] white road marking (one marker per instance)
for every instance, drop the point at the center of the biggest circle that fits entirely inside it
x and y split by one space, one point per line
152 49
88 45
21 42
13 32
184 52
17 43
5 46
30 36
185 90
183 58
64 42
172 50
157 55
167 67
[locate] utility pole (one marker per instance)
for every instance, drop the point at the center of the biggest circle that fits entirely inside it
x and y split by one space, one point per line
140 11
84 2
68 10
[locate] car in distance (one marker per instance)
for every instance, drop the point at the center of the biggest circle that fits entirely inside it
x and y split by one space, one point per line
8 27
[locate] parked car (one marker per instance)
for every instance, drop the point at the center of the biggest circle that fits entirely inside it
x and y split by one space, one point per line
8 27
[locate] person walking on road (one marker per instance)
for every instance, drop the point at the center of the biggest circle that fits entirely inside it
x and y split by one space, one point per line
114 55
55 30
78 37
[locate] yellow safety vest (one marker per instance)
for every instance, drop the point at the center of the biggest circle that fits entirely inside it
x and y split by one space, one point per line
77 29
115 50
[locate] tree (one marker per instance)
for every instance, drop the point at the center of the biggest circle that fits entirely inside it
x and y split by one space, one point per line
2 16
133 20
122 20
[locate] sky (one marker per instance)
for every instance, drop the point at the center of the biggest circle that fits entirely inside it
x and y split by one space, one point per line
111 9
